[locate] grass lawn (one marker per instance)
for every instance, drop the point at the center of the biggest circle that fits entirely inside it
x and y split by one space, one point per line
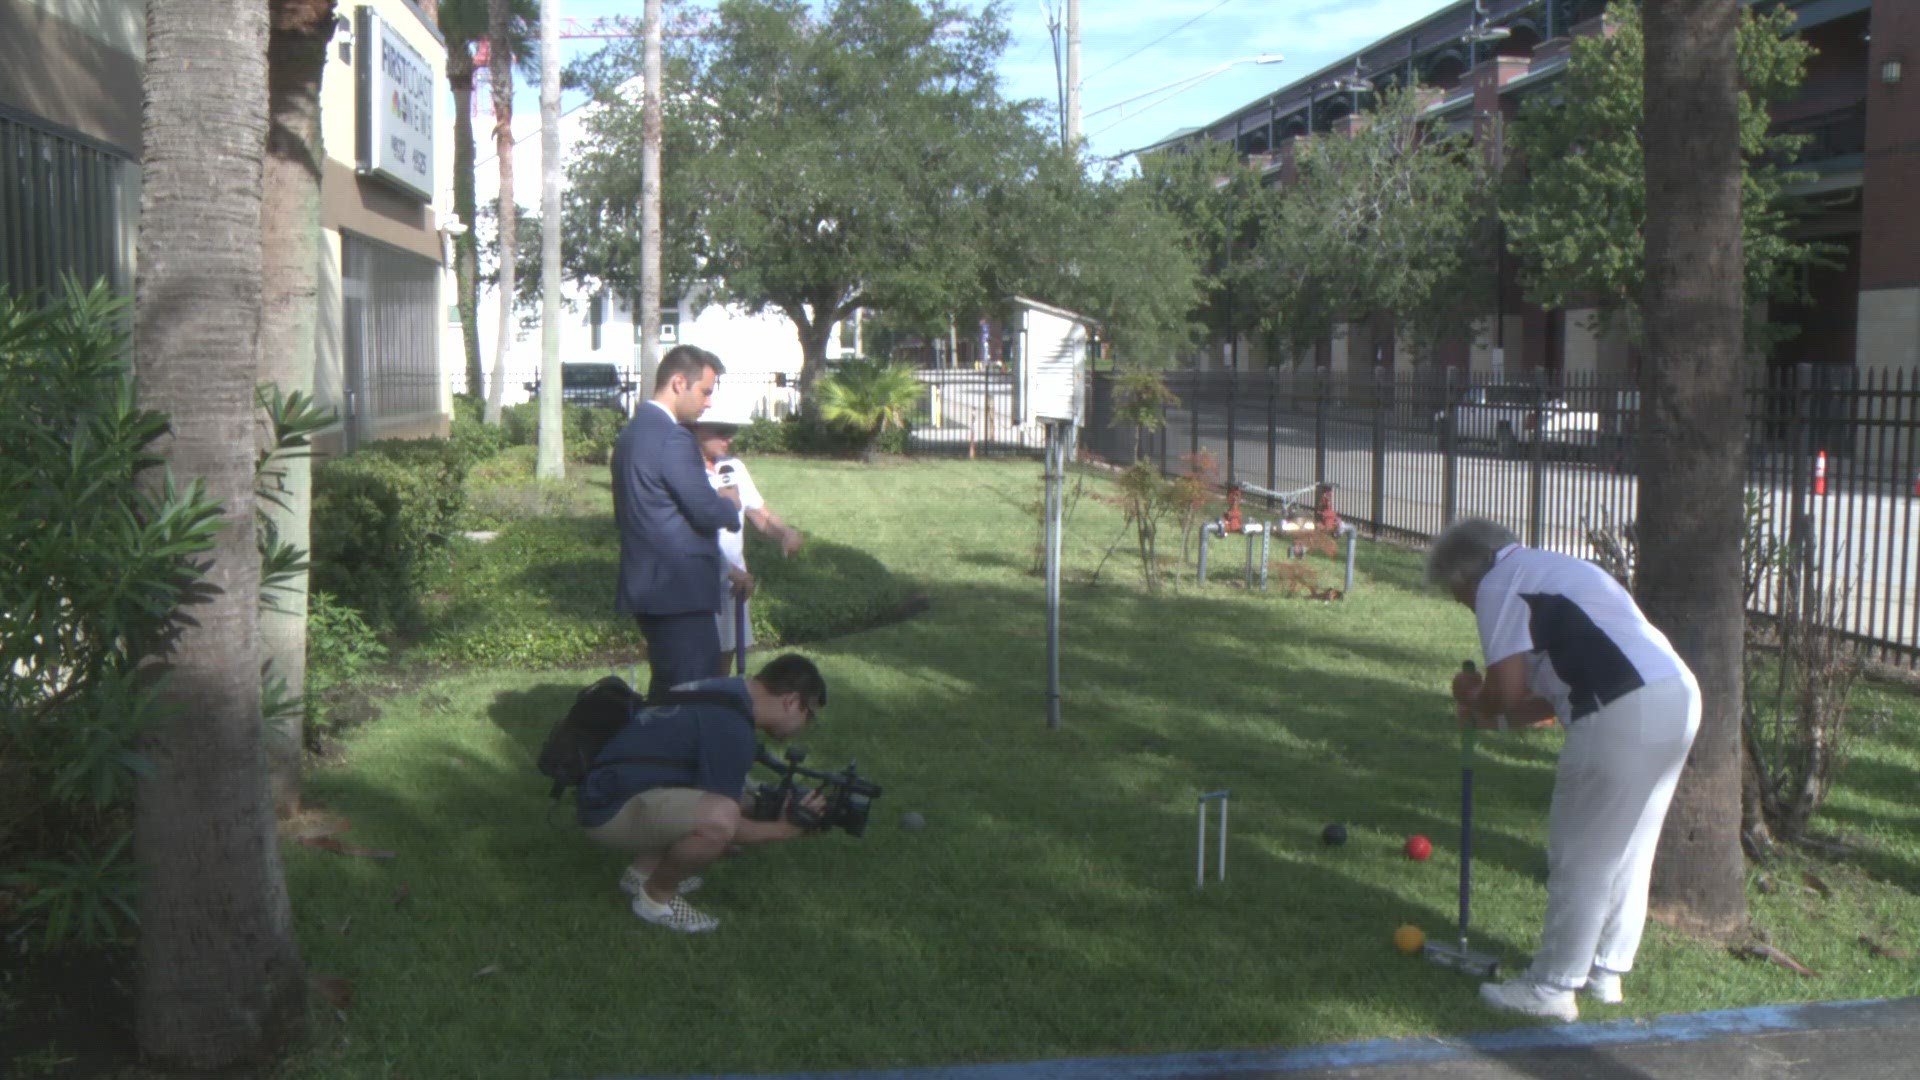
1048 908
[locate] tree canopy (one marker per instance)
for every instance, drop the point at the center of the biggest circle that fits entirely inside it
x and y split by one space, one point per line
1577 218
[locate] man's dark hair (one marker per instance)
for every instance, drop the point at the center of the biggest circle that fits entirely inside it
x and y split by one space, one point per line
688 360
791 673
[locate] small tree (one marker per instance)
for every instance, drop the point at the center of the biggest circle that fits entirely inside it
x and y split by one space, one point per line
869 397
1146 500
1140 400
1393 219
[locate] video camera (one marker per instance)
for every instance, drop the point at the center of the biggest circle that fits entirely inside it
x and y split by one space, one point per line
849 796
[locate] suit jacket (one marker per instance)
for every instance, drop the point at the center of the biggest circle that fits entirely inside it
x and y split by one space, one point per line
669 516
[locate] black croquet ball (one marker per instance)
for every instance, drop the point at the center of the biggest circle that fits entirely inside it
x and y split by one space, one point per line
1333 835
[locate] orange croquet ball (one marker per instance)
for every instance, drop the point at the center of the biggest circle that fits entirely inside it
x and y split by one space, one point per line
1419 848
1408 939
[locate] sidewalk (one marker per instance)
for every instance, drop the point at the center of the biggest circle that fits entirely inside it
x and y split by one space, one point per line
1849 1040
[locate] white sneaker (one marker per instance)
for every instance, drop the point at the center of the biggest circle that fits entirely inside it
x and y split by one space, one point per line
631 881
676 914
1603 986
1524 995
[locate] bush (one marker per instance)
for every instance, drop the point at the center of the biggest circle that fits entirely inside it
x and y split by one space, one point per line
590 433
378 515
93 567
474 440
341 647
802 434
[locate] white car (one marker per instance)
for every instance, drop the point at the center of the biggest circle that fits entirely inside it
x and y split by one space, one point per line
1505 415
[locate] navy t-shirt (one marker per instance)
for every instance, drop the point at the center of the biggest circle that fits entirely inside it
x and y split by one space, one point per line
703 746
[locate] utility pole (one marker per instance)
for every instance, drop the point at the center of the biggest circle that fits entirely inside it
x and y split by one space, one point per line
650 206
1073 73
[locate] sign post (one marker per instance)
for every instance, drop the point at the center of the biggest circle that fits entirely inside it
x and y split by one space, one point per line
1052 368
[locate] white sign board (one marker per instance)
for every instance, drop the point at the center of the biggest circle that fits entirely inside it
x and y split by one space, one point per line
395 91
1053 352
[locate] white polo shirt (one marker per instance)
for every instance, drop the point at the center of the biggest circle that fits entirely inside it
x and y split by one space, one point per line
731 471
1586 641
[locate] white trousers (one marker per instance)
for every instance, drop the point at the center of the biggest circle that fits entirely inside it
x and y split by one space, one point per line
1615 779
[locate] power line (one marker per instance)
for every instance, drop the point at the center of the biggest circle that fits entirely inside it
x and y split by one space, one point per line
1158 40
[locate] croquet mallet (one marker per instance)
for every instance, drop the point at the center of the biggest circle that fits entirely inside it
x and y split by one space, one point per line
1459 957
740 636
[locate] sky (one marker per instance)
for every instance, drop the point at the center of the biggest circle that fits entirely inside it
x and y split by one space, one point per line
1143 53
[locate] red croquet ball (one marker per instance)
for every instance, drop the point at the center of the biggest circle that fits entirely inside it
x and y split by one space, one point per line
1418 848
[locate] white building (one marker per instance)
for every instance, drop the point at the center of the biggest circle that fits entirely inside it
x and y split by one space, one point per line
762 352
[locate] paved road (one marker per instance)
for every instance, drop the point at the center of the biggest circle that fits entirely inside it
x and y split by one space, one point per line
1870 1040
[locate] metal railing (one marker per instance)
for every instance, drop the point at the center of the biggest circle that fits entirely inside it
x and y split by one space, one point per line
1555 461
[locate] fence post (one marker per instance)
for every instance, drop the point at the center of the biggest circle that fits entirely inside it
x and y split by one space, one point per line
1273 431
1449 459
1233 395
1799 440
1193 414
1322 386
1537 467
1382 395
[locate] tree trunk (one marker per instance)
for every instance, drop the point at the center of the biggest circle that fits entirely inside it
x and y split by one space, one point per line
816 332
290 288
466 246
220 975
500 74
550 460
1693 453
650 232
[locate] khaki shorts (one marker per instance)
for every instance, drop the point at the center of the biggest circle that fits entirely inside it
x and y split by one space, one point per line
651 822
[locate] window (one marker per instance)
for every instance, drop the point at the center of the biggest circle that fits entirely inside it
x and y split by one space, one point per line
66 207
391 336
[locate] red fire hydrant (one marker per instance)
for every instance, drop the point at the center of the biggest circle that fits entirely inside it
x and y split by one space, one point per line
1325 517
1232 522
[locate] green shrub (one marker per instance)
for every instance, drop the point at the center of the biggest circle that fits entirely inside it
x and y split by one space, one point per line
341 647
590 433
93 567
379 514
803 434
474 440
522 423
764 436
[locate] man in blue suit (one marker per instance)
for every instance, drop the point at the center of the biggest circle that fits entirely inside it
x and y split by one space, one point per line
669 517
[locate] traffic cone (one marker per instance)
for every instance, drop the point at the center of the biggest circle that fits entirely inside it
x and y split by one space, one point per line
1820 473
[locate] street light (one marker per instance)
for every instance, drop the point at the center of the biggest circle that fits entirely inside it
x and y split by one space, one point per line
1181 85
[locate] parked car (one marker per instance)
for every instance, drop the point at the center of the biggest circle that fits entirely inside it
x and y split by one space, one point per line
1506 416
595 385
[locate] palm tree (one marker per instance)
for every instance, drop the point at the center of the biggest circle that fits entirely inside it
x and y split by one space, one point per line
1693 450
464 24
220 975
289 280
500 33
551 462
869 396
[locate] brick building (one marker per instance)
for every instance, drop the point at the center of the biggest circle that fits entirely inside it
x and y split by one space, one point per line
1858 105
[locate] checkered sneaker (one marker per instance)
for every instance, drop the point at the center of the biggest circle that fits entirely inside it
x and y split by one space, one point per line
676 915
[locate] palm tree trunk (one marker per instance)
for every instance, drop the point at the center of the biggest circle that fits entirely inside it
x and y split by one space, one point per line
650 233
500 74
466 246
1693 456
289 281
550 462
220 974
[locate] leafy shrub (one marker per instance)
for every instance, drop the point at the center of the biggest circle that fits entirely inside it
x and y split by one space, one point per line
93 567
341 647
474 440
378 515
590 433
870 398
764 436
522 423
802 434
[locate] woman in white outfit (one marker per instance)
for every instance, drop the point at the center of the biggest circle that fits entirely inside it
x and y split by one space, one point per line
715 437
1563 639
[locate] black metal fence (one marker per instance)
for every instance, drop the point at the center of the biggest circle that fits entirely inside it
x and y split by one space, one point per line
1834 462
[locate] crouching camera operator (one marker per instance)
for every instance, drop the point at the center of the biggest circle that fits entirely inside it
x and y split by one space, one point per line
670 788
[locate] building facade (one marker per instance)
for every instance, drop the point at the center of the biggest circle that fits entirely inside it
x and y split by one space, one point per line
70 102
386 124
69 142
1857 106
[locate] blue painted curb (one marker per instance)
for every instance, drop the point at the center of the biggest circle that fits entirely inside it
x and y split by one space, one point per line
1681 1028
